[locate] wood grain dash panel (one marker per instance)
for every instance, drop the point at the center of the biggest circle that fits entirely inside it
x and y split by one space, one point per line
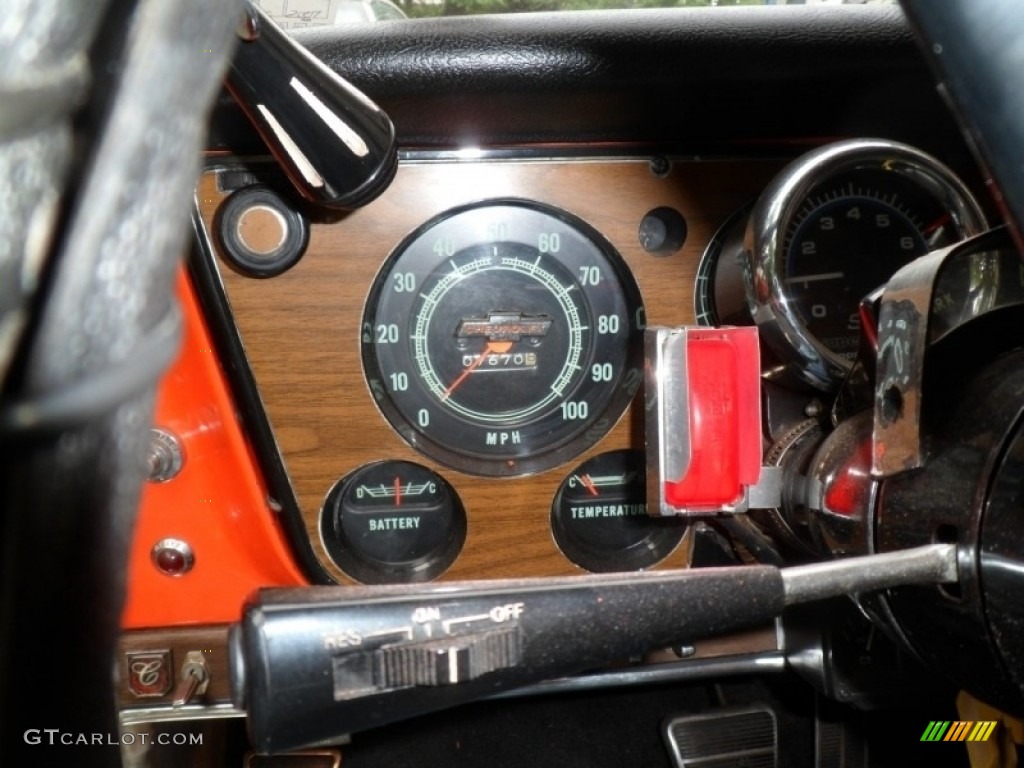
301 329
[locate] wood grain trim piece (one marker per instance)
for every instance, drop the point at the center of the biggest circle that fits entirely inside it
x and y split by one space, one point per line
301 330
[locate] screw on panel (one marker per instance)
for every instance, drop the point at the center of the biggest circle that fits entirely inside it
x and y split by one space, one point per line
164 456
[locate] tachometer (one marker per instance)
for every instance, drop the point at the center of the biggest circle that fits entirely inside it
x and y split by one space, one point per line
832 227
503 338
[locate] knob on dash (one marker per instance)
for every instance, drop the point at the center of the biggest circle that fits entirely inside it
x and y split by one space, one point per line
259 233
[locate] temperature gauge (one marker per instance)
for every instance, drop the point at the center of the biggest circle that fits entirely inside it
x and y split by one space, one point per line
599 516
393 522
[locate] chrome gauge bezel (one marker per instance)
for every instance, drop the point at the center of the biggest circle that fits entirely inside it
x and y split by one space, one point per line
771 303
466 283
724 252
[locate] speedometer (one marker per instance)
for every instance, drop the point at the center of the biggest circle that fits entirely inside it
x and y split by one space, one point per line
503 338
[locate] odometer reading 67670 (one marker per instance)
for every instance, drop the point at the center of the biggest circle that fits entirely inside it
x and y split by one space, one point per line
503 338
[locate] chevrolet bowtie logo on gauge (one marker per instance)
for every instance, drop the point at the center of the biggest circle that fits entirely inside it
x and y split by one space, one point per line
503 338
504 326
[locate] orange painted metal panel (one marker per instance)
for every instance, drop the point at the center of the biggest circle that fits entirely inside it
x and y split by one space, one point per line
217 504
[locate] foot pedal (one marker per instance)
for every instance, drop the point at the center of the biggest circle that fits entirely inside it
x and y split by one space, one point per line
839 736
315 758
728 738
838 745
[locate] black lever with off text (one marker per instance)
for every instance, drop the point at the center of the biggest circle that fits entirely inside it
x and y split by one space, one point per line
311 665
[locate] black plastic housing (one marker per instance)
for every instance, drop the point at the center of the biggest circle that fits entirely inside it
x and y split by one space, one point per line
311 665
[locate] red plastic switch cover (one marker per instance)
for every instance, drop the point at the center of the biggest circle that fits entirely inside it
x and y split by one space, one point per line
704 418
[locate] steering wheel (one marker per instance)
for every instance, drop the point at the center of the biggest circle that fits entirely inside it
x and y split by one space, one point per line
975 49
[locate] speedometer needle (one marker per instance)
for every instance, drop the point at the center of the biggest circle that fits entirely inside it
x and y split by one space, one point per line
492 348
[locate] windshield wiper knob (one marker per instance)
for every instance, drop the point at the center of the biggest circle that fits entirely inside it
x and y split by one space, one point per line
336 146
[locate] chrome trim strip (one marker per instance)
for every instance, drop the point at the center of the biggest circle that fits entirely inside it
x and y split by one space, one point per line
169 714
670 672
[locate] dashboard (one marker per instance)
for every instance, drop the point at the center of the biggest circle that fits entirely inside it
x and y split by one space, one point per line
319 386
605 169
366 326
446 384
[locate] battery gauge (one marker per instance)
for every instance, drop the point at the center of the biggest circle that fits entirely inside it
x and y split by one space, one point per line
393 522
